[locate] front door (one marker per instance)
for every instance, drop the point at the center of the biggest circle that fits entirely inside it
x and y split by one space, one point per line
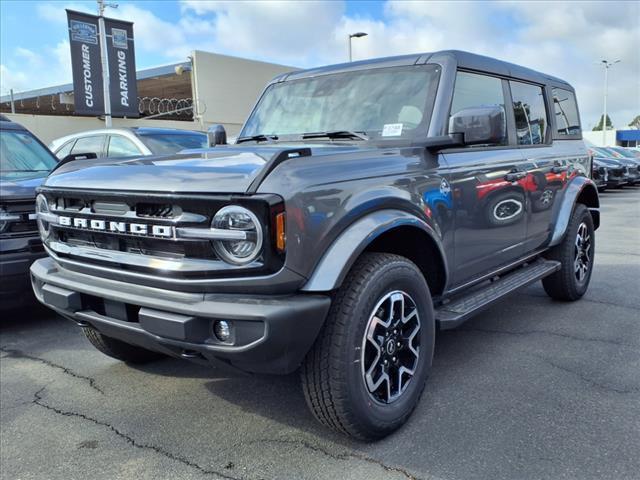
490 210
487 184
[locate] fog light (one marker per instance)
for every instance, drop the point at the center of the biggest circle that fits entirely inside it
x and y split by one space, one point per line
222 330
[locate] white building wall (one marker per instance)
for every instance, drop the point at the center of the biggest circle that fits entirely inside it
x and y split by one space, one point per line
596 138
226 88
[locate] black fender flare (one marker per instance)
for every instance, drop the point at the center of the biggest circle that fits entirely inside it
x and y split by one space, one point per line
578 187
338 259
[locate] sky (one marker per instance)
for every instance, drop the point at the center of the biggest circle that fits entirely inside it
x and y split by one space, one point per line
567 39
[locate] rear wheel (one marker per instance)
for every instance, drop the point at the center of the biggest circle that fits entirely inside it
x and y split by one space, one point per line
120 350
367 370
576 255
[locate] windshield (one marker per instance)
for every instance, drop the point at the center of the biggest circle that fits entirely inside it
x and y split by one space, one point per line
621 152
21 155
392 102
162 143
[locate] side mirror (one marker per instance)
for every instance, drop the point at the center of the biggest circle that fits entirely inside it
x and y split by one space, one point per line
480 125
217 135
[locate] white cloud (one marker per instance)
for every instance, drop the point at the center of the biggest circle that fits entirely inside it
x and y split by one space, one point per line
565 39
12 79
152 34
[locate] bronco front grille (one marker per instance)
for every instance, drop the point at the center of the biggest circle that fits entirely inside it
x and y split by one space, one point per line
146 233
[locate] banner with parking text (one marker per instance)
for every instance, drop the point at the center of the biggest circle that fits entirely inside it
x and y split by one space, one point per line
122 68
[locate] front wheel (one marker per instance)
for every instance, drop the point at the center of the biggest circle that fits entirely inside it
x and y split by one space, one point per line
576 255
367 370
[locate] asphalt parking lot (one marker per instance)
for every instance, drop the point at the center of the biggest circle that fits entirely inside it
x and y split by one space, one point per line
530 389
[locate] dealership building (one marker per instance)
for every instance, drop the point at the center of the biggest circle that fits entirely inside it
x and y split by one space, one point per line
205 90
621 138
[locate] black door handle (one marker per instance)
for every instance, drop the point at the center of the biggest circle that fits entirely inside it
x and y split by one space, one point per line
514 176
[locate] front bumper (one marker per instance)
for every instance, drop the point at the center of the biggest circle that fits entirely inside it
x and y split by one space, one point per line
270 334
616 182
15 287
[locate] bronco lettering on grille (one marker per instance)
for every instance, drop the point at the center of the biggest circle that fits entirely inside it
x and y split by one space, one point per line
164 231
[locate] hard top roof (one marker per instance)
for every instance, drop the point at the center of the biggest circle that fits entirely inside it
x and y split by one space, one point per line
464 60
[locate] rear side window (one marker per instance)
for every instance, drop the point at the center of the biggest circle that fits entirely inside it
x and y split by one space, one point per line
91 144
566 111
530 113
120 146
65 150
474 90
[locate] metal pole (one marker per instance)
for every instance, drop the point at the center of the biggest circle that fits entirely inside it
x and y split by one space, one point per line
13 105
604 117
105 65
349 40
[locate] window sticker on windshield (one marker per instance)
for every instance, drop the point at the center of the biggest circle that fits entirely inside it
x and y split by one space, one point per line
392 130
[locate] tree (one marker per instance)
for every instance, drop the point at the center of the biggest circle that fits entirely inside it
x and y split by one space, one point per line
598 127
635 123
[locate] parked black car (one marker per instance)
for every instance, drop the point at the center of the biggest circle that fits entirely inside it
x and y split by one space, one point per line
337 234
24 162
630 168
617 175
600 174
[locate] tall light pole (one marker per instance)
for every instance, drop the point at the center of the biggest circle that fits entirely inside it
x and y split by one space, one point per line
104 61
356 35
607 65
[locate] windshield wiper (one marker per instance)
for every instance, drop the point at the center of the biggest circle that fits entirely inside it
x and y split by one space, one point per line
14 171
337 134
257 138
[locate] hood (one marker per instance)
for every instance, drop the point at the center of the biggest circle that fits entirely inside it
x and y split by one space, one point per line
609 162
228 169
18 188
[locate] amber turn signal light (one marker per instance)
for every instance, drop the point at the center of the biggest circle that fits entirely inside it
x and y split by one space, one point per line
281 236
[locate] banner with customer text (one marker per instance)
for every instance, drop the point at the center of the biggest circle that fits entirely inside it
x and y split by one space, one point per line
123 87
86 65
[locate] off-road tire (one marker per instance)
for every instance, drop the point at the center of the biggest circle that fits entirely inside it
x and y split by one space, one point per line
332 375
120 350
563 284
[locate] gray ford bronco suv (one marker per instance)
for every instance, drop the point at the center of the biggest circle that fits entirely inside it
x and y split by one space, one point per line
362 207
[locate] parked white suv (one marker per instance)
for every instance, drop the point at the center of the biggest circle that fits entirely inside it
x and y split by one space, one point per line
128 142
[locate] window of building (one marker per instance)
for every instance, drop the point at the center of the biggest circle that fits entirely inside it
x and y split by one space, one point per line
530 113
566 111
120 146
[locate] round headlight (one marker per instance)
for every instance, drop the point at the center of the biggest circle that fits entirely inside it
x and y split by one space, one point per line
42 206
238 219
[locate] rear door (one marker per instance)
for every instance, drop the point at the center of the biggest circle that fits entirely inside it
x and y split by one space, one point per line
548 163
489 200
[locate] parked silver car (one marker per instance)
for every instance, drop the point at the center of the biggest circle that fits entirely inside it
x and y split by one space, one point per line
128 142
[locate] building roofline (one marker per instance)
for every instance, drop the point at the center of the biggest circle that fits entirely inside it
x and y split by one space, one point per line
68 87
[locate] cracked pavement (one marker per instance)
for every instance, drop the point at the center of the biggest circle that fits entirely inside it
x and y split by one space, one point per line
530 389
